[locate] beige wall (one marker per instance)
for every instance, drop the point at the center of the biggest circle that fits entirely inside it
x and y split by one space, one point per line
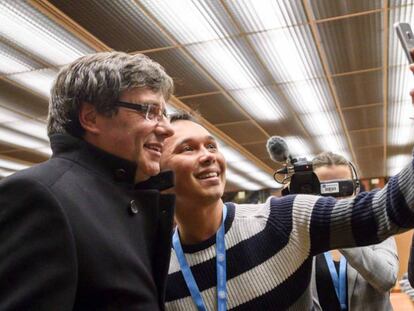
403 244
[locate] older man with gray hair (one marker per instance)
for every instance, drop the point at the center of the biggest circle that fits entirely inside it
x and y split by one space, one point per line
88 229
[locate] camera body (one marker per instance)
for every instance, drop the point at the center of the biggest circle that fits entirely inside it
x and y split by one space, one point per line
303 180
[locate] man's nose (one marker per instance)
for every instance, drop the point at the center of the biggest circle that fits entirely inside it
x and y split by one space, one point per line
207 157
164 128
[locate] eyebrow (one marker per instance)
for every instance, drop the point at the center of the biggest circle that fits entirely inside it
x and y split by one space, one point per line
150 102
187 140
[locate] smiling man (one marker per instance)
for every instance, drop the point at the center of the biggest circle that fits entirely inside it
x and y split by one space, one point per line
259 256
199 179
83 230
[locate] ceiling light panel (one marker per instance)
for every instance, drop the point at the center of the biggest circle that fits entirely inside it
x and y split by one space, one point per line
241 181
251 186
13 61
400 82
29 127
230 63
230 154
7 115
333 143
309 96
251 173
26 27
261 103
245 166
192 21
401 135
39 81
5 172
237 164
401 126
322 123
326 128
17 139
397 162
12 164
272 184
400 114
289 53
188 78
45 150
399 3
9 64
261 176
298 147
255 15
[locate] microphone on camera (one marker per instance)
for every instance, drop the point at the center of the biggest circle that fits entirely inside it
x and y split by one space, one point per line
278 149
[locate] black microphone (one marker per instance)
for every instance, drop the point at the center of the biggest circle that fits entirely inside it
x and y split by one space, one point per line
277 148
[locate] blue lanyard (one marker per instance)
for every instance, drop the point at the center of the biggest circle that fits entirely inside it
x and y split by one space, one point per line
340 285
220 267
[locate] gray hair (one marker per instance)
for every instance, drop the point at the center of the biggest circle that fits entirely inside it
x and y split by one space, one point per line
99 79
328 158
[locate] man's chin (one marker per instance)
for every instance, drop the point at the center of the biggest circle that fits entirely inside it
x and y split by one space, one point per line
213 194
146 172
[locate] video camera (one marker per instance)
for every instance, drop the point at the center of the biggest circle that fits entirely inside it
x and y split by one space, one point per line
299 171
303 180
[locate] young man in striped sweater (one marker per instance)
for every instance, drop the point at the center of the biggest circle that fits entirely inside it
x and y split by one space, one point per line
259 256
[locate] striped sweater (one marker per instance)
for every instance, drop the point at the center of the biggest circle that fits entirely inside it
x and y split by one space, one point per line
270 245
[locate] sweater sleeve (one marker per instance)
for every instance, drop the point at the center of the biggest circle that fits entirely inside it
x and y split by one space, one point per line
324 223
37 253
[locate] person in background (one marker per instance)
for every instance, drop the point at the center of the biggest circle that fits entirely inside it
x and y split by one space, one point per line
352 278
259 256
88 229
410 273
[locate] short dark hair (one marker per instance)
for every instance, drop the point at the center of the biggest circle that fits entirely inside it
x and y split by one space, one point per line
181 115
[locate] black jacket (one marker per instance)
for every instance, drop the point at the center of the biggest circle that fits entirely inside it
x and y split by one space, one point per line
76 233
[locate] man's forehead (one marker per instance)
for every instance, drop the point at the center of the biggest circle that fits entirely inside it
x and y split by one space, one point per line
185 130
334 171
145 94
183 127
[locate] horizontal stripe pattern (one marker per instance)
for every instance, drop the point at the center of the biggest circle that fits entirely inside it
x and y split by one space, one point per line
270 245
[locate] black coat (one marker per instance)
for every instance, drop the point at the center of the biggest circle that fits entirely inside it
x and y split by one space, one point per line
76 233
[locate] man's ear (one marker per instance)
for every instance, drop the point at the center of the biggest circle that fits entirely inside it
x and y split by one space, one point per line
88 118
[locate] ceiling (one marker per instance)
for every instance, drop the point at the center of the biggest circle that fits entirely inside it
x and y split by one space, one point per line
324 74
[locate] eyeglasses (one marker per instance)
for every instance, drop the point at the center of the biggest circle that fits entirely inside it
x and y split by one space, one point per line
151 112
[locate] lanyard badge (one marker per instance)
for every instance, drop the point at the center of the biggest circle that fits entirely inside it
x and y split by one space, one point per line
220 267
339 283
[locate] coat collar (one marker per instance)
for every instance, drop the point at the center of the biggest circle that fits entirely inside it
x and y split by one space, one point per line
104 163
162 181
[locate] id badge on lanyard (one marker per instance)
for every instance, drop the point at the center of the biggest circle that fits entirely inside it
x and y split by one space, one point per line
220 267
339 283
